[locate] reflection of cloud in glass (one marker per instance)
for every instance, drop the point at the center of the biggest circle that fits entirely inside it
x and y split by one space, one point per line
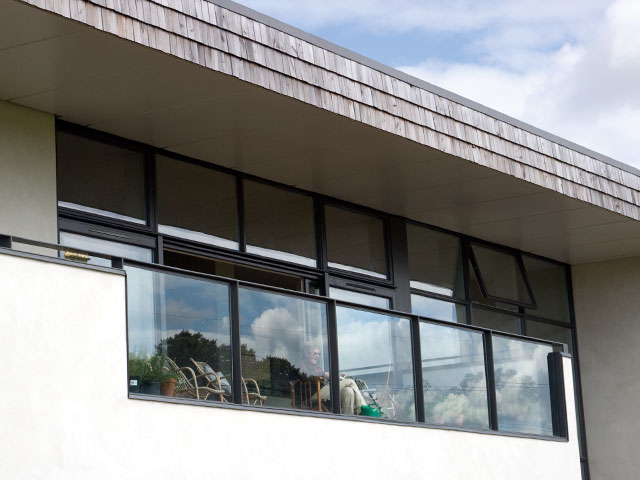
376 348
522 386
161 305
277 333
277 325
453 376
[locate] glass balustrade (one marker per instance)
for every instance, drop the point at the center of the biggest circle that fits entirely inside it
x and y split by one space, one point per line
180 332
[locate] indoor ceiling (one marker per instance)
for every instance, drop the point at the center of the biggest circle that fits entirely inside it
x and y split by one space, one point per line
98 80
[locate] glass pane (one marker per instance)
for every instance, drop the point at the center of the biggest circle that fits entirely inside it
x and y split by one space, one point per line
549 284
279 223
196 203
522 386
438 309
197 263
355 242
435 261
501 274
99 178
453 376
178 329
476 293
375 364
285 349
89 244
356 297
496 321
554 333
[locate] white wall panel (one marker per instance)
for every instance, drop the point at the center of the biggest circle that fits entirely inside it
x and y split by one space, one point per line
65 412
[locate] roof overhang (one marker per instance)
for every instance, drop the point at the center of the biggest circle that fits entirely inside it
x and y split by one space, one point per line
89 77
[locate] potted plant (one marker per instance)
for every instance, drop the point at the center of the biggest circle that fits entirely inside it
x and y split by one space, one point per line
138 372
168 383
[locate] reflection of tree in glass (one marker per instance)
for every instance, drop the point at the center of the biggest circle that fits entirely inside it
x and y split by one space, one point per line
523 404
273 374
185 345
464 405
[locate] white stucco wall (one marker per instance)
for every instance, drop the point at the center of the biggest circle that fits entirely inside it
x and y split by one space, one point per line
607 306
65 414
27 173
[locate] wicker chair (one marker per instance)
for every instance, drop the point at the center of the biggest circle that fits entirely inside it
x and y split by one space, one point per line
305 394
187 383
252 397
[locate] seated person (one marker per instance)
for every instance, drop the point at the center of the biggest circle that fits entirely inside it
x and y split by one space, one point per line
351 400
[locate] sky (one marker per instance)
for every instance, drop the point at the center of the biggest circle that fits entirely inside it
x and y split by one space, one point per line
570 67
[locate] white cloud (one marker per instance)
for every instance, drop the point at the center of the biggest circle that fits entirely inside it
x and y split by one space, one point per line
571 67
584 92
440 15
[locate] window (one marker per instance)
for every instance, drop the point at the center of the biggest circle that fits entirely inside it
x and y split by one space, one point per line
212 266
501 275
196 203
453 376
548 281
357 297
438 309
102 179
279 223
435 261
551 332
523 395
355 242
503 322
106 247
172 322
374 350
284 342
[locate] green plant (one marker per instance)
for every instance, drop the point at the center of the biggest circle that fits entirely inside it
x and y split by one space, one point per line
150 367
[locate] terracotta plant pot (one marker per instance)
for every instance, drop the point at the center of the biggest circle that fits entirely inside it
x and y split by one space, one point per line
168 388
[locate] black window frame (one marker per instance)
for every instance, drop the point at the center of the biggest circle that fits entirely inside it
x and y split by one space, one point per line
397 280
483 287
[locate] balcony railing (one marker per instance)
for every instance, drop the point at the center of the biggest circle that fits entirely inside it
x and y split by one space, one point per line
230 341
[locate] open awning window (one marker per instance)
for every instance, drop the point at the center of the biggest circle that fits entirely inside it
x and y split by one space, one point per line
501 275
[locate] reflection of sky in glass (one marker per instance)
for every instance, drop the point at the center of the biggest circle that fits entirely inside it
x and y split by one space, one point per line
106 247
377 349
437 309
453 374
522 386
162 305
277 325
356 297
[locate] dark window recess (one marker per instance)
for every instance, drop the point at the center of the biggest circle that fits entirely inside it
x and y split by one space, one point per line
547 331
496 321
501 275
99 178
212 266
355 242
196 203
435 261
279 223
548 281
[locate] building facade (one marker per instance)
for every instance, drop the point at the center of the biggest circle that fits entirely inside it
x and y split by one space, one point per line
344 269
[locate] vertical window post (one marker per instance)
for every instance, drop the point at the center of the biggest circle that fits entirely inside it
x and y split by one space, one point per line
417 368
333 357
491 381
236 369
